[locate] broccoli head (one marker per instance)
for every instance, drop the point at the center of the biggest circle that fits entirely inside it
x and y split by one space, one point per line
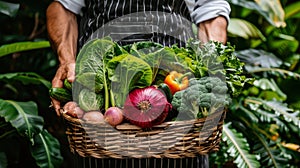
203 96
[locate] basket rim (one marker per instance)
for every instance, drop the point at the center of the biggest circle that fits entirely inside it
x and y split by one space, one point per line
82 141
164 124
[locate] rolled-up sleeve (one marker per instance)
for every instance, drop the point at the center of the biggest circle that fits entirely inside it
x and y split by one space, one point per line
74 6
202 10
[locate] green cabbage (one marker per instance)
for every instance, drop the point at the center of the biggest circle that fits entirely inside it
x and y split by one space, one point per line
89 100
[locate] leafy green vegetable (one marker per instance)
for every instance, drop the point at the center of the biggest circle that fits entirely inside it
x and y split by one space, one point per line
91 66
89 100
214 59
104 65
91 62
91 80
127 72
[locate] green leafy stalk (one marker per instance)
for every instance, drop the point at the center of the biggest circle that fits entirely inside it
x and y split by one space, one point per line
238 148
106 92
112 100
46 150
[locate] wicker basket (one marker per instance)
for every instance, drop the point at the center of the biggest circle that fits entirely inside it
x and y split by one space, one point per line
176 139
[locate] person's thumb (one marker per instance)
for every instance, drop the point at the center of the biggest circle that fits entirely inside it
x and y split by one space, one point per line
71 72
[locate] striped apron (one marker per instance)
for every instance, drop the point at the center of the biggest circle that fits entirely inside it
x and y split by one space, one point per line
127 21
167 22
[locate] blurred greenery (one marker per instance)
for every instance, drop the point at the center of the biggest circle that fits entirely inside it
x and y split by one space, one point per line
262 125
27 66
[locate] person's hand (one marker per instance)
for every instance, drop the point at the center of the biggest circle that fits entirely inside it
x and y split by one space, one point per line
62 30
64 71
213 30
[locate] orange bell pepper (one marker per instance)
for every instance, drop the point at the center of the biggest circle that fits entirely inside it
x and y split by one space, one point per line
177 81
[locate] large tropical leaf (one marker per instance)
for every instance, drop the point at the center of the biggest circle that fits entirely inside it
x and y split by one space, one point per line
274 107
263 61
292 10
275 11
264 115
271 10
46 150
242 28
282 110
23 116
238 148
25 78
270 155
22 46
268 152
284 43
239 110
270 85
6 129
258 58
9 9
3 159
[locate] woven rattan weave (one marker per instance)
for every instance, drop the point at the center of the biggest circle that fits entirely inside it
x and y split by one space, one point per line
175 139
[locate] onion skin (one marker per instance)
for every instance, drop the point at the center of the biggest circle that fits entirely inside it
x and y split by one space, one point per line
114 116
146 107
72 109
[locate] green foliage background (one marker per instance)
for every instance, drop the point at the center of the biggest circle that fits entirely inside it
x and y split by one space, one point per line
262 126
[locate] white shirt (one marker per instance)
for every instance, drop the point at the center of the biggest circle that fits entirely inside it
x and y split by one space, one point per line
200 10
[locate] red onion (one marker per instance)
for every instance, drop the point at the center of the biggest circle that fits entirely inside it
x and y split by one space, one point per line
73 110
113 116
146 107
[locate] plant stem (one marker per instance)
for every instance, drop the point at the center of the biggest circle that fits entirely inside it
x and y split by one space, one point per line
179 80
112 99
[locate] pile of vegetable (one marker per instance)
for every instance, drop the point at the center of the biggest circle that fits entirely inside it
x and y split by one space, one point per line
146 83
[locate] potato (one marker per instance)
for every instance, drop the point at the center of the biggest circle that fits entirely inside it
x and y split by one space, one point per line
93 116
70 106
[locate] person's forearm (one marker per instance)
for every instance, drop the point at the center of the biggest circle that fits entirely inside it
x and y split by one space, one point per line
212 18
63 32
214 29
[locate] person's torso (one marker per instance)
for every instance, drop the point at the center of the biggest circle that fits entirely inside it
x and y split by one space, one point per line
126 21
